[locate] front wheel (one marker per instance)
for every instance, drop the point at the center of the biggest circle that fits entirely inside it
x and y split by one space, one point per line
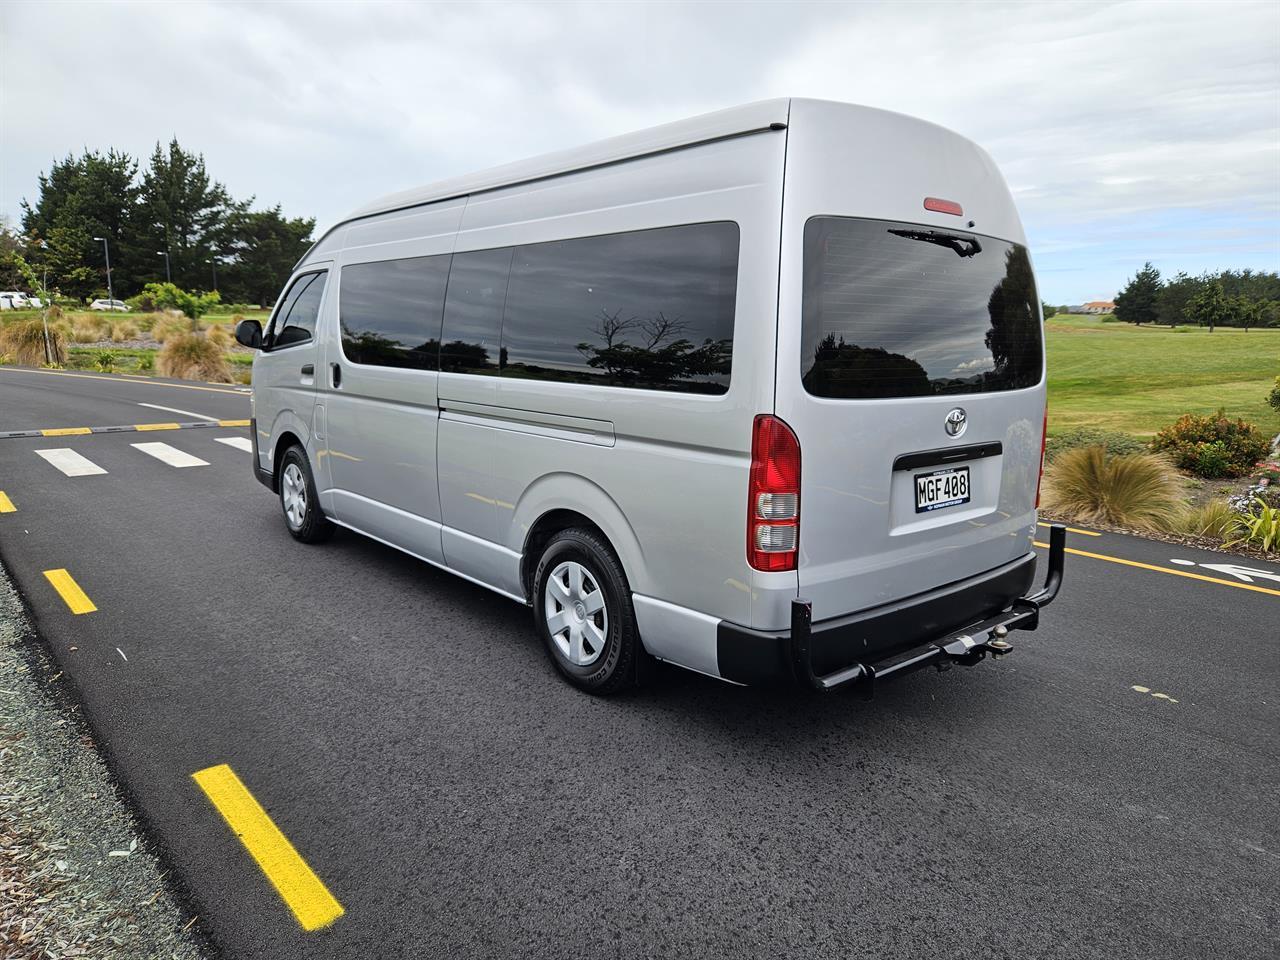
299 500
582 610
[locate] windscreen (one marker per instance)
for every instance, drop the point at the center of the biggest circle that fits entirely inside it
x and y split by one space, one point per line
904 310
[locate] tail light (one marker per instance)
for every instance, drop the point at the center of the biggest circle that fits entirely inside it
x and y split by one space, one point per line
1044 438
773 496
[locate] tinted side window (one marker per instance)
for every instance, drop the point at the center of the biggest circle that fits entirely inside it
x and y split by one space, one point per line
473 311
390 311
296 321
651 309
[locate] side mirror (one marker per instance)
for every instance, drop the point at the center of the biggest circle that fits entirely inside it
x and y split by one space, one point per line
249 334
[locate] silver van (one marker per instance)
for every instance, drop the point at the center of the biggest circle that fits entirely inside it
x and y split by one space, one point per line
759 393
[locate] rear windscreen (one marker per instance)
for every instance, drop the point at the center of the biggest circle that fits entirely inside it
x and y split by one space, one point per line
904 310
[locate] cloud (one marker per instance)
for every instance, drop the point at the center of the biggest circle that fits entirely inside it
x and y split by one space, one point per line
1112 123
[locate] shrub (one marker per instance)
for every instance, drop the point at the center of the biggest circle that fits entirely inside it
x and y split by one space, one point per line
1274 397
170 296
172 324
1215 519
189 356
218 335
1116 444
104 361
1212 446
147 362
1260 527
122 331
1138 490
23 341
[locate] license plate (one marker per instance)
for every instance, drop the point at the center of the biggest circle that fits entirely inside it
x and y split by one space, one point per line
942 488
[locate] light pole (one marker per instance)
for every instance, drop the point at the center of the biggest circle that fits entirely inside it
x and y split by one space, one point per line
165 254
106 254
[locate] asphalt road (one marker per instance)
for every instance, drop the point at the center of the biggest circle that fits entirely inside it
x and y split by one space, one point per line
1111 789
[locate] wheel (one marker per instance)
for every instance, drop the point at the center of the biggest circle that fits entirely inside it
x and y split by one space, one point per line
582 609
299 501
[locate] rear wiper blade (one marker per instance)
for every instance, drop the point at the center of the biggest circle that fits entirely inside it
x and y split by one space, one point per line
964 246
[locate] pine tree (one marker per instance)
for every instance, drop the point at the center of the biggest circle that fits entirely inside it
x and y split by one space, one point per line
1137 302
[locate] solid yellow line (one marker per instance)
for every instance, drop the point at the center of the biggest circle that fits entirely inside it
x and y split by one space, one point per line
6 505
1087 533
148 382
155 426
1176 573
233 423
70 591
299 887
66 432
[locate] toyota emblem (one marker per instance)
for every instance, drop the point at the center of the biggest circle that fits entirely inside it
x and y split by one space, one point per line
956 421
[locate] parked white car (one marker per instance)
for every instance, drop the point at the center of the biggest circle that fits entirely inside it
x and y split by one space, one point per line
35 302
109 305
17 300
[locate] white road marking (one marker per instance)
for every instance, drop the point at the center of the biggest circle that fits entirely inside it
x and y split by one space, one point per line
198 416
1183 563
1244 573
240 443
170 455
70 462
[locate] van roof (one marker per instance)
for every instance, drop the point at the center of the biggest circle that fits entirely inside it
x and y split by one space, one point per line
734 121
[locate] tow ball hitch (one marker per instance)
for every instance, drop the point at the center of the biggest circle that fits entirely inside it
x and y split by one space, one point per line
965 648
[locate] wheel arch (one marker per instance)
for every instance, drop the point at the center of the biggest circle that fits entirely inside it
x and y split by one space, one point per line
557 502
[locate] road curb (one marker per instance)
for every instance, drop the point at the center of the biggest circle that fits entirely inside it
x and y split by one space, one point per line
126 428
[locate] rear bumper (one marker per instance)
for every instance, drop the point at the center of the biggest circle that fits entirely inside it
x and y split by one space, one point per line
959 623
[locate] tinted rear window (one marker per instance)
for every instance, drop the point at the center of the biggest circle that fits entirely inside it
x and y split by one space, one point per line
904 310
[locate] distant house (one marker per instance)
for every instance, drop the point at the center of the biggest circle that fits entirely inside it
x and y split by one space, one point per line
1076 308
1098 306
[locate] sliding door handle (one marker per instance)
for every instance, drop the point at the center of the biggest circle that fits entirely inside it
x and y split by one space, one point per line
308 369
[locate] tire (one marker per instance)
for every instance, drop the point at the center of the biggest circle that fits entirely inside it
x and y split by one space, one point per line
580 583
299 501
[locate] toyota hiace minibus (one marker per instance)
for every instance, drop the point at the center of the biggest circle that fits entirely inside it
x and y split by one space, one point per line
760 394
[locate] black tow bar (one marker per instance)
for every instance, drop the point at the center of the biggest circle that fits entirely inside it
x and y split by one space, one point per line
965 647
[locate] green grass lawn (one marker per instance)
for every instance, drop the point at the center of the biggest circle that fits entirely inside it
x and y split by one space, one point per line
1138 379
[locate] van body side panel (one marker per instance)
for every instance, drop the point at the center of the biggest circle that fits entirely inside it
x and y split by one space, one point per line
862 541
663 473
379 451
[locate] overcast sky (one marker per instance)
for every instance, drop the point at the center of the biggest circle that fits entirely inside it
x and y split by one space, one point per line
1133 131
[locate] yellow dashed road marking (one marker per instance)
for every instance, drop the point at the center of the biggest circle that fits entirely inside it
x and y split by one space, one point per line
233 423
75 598
66 432
1087 533
155 426
6 505
299 887
1176 573
1138 688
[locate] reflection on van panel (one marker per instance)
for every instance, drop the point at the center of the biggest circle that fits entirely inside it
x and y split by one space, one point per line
634 387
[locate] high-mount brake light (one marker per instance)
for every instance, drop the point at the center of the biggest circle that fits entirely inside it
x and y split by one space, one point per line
1044 442
943 206
773 496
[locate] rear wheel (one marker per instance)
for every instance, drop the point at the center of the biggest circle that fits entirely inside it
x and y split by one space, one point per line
299 500
582 609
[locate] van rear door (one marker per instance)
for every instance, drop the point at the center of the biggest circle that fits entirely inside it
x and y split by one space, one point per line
910 366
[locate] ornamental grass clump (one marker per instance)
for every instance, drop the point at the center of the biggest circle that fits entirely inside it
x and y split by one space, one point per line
190 356
23 341
1140 491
